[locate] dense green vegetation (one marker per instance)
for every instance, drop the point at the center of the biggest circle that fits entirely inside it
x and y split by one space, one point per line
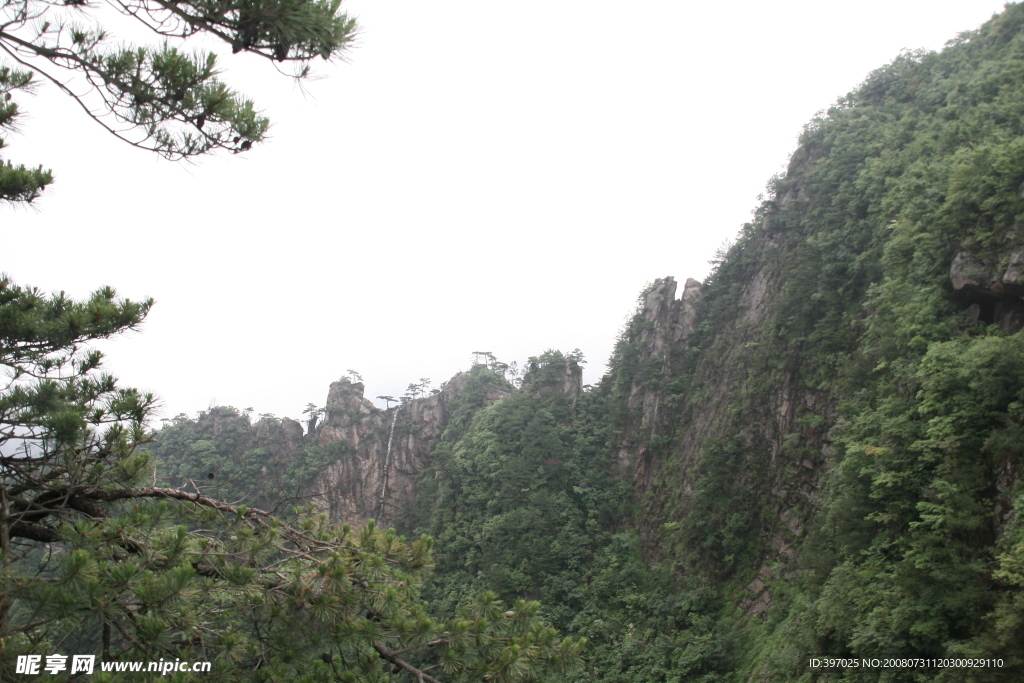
521 500
913 546
828 466
221 449
97 558
907 396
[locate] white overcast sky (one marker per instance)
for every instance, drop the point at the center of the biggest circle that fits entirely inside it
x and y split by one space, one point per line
477 176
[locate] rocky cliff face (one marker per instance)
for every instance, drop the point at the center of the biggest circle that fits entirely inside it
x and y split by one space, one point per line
739 398
281 439
378 454
702 390
670 322
667 433
993 284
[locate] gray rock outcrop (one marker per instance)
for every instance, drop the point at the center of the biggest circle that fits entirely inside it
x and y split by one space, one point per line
992 284
364 480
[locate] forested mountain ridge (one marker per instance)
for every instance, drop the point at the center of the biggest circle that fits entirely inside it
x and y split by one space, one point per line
813 453
852 391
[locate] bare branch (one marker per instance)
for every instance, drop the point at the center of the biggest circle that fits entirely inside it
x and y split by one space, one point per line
387 654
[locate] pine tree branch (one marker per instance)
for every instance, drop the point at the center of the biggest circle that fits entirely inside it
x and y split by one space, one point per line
158 492
195 22
387 654
32 532
65 89
107 84
432 643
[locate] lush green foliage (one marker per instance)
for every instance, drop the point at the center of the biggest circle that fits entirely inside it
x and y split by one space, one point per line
521 498
516 496
917 385
223 452
17 183
840 438
95 560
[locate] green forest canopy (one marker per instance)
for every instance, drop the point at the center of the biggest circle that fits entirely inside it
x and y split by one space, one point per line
910 409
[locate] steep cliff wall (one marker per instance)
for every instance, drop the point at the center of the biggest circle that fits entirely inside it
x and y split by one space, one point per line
665 327
365 479
684 402
841 424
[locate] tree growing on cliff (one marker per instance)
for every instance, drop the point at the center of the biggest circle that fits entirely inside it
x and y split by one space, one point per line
315 414
95 558
415 390
157 98
483 357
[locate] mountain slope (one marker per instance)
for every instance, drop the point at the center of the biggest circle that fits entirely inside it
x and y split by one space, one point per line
815 453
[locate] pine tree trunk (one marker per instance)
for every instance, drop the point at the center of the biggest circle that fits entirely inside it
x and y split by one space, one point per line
5 551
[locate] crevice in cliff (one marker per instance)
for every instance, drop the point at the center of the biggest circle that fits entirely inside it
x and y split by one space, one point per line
387 466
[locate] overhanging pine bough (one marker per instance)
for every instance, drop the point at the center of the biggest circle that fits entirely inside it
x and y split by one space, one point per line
159 98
